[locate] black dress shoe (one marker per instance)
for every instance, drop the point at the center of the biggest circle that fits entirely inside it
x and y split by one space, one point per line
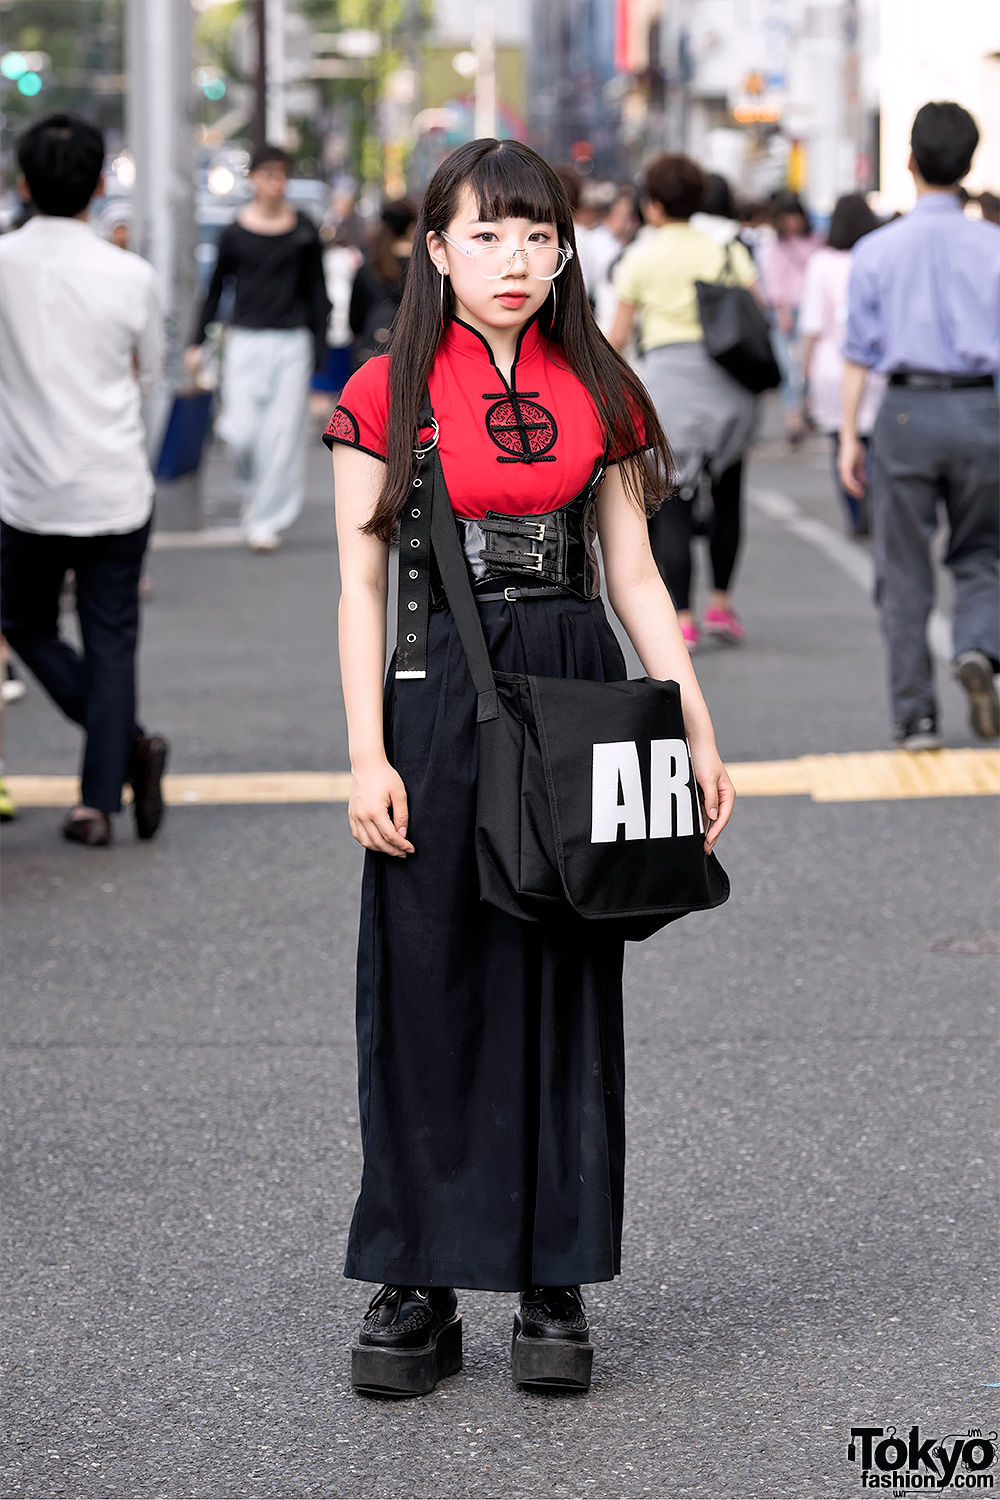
551 1345
410 1338
144 775
93 829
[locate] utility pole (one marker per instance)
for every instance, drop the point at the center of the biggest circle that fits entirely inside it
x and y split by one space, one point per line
485 123
160 138
276 114
260 75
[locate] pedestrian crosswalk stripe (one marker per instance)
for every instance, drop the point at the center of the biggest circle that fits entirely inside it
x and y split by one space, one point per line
872 776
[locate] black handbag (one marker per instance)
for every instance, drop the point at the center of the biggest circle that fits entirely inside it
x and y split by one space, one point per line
588 809
736 332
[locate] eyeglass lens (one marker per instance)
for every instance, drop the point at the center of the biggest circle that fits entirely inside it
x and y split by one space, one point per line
543 261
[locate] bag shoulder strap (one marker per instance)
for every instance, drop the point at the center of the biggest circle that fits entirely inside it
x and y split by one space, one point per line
727 276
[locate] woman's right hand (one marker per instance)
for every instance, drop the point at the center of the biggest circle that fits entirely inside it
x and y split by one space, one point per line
378 812
192 359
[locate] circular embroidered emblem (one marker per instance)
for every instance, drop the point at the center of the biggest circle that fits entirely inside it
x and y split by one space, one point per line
524 429
343 427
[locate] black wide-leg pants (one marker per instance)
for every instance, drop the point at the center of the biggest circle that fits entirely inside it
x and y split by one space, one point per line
491 1051
96 689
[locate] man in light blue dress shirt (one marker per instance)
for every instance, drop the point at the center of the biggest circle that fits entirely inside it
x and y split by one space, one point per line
924 309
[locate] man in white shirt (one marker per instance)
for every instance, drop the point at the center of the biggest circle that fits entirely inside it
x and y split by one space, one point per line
80 330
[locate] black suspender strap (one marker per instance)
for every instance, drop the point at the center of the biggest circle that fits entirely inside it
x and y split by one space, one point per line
413 596
427 523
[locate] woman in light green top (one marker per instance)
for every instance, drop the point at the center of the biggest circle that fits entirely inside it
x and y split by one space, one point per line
707 416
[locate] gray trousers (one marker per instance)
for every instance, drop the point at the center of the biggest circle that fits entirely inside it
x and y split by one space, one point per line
265 392
931 446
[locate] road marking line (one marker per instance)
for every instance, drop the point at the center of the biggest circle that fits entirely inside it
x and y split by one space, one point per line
851 559
210 536
872 776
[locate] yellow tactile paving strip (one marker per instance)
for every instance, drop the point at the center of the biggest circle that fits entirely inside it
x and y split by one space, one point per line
874 776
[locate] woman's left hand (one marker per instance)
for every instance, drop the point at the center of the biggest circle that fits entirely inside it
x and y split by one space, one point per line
717 792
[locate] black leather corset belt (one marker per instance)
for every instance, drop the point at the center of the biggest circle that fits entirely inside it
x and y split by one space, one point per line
554 549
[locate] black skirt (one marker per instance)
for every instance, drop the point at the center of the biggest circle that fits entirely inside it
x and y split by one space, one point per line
490 1051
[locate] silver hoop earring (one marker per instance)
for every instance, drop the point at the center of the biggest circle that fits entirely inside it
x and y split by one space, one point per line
554 303
442 276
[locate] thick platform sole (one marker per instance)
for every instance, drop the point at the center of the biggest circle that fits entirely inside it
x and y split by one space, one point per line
407 1372
551 1364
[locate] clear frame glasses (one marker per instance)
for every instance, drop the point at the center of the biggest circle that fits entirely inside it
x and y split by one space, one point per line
494 261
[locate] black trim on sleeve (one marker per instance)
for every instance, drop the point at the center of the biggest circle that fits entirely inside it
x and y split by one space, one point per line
351 439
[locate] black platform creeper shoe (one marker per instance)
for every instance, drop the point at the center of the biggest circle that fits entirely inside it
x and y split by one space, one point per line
410 1338
551 1346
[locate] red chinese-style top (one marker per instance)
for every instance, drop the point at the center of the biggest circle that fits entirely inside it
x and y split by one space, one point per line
520 448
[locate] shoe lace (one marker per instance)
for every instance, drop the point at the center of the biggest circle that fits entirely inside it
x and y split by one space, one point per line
556 1299
387 1293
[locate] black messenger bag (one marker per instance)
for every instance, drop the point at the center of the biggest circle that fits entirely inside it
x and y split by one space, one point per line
588 809
736 331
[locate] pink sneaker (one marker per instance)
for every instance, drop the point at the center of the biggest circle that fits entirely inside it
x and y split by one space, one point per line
689 631
724 623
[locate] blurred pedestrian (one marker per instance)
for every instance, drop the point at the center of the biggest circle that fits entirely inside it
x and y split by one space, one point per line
341 263
989 203
116 223
596 245
784 270
756 230
380 282
708 417
822 320
351 227
79 321
278 337
491 1049
922 309
718 216
620 228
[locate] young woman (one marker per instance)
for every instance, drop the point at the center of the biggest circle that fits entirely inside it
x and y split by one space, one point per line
708 416
784 273
491 1051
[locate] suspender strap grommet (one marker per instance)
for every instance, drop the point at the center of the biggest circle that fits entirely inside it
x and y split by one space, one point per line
413 603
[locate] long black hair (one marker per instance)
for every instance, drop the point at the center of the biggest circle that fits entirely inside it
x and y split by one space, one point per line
509 180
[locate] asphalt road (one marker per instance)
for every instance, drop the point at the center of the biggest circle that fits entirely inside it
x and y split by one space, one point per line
811 1216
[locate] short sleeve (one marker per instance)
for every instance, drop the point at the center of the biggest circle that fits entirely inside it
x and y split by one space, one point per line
865 338
628 279
359 418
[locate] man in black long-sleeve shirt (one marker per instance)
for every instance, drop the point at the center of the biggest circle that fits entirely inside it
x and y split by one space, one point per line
278 335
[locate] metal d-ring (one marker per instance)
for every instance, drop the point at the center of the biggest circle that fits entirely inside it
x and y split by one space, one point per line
428 447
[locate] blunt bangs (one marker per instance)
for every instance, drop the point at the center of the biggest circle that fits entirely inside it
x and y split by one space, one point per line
508 186
506 179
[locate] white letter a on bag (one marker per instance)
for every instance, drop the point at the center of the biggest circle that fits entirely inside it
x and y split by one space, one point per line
616 765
